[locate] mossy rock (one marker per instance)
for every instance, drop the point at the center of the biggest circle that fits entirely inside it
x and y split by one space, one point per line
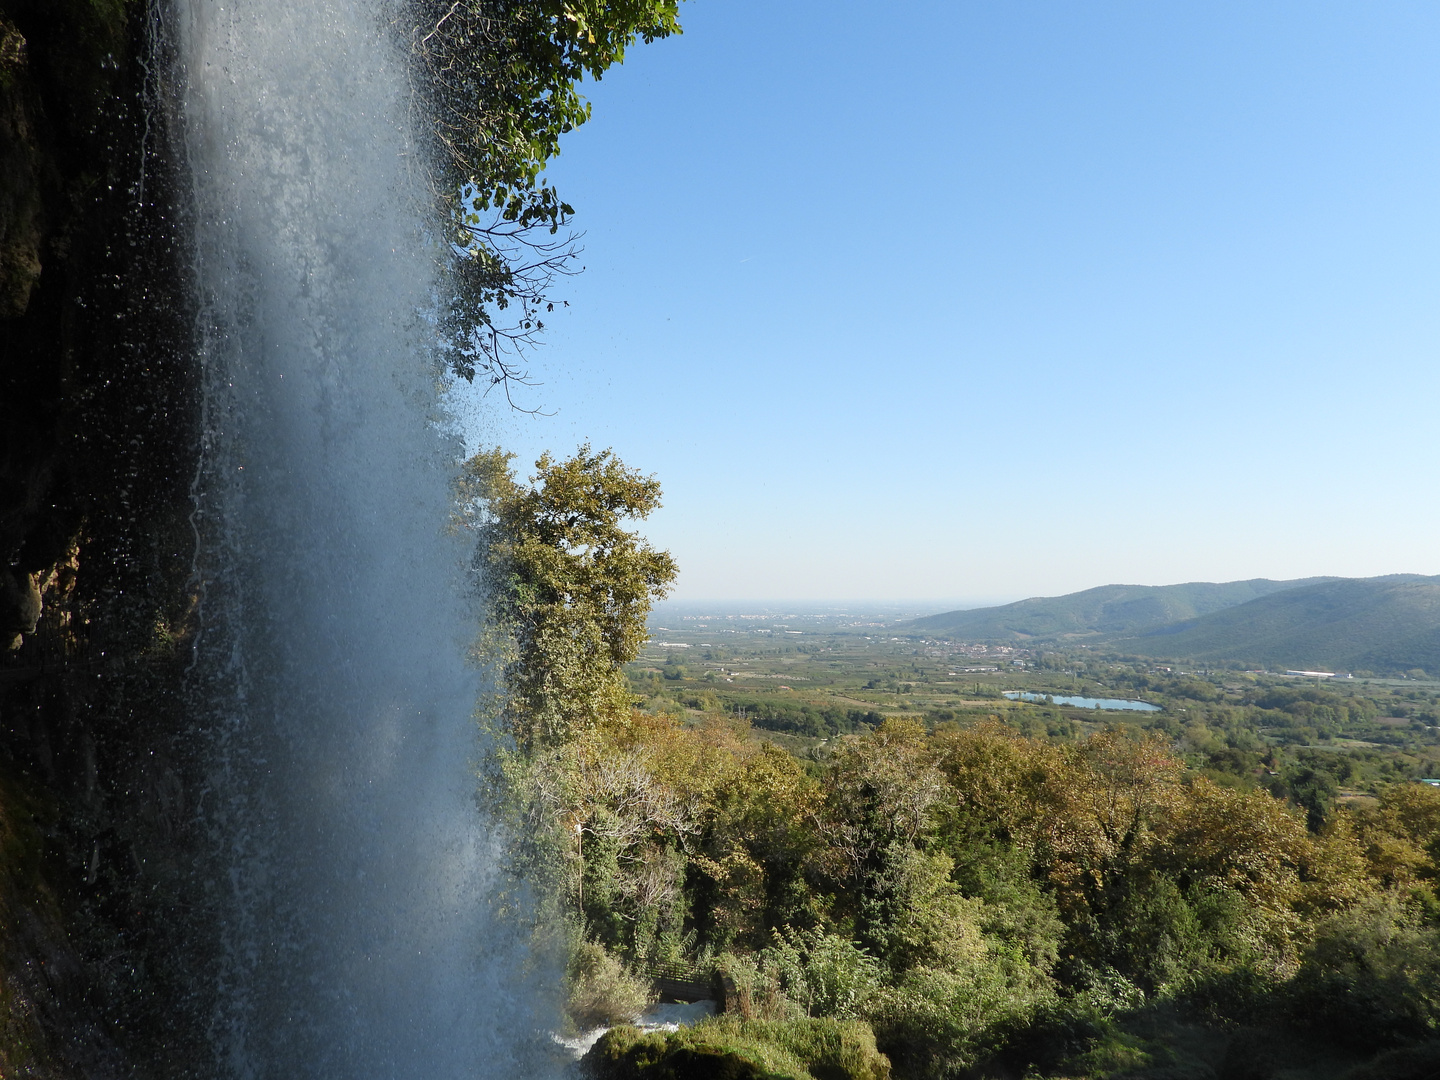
728 1048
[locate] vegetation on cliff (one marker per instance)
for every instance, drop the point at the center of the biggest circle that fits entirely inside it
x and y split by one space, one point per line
501 83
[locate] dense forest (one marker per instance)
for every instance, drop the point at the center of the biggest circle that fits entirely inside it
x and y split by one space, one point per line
990 901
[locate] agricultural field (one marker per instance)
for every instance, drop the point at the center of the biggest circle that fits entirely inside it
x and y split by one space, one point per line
801 680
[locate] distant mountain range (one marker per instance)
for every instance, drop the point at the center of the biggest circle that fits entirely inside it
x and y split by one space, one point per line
1380 624
1108 610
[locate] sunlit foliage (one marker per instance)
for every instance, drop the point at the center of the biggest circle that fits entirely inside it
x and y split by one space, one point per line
500 82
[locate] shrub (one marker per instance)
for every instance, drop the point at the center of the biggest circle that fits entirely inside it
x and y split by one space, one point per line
938 1024
755 991
603 990
1057 1032
824 974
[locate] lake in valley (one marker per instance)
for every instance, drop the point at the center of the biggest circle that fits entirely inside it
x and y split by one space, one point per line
1084 702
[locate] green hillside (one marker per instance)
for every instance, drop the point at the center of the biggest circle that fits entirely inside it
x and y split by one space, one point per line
1108 611
1381 624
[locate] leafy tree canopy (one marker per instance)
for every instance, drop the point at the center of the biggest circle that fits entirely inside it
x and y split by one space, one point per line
500 80
570 587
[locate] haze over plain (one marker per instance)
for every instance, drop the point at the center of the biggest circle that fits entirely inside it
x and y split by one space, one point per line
982 301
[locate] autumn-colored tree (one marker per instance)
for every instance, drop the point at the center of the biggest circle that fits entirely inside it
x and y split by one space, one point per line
759 839
1164 877
1401 836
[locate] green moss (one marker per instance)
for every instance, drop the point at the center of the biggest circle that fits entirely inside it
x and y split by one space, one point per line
729 1048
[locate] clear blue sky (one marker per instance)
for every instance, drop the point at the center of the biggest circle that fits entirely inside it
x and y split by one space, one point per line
974 301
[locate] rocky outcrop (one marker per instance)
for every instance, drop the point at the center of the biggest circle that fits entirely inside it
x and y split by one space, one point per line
20 607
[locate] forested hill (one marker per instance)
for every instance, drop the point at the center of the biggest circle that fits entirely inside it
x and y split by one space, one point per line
1381 624
1377 624
1109 610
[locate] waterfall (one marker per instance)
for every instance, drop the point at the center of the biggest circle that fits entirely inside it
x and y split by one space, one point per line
350 861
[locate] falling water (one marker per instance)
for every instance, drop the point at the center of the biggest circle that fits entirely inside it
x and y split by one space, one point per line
351 861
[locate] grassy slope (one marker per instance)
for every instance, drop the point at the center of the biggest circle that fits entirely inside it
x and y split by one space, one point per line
1380 624
1107 610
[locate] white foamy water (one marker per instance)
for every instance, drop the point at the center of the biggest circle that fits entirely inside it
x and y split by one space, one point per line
351 860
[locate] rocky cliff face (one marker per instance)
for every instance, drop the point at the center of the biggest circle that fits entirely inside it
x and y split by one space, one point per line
98 429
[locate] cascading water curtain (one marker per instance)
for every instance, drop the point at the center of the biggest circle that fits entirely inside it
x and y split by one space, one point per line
351 860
